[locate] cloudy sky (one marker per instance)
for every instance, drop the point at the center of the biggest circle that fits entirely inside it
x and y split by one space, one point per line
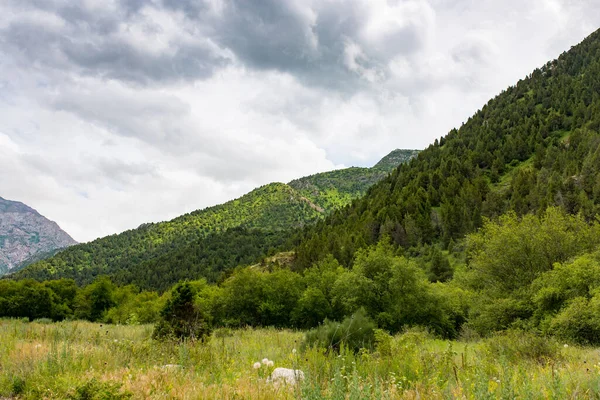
119 112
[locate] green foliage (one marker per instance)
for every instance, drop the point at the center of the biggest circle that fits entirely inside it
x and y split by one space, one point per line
29 299
96 390
354 332
134 307
312 308
511 252
567 300
336 189
439 268
514 267
578 321
180 318
260 298
383 342
515 346
393 290
18 386
95 299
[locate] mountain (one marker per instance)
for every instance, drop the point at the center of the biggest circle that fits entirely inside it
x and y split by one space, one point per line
25 235
335 189
395 158
204 243
535 145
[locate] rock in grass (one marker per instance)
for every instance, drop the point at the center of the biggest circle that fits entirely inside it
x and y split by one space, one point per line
170 367
286 376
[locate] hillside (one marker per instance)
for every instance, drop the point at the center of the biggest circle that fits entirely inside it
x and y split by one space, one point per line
335 189
26 235
534 145
156 255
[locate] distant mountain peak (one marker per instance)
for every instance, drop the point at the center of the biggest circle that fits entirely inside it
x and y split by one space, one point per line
9 206
395 158
26 235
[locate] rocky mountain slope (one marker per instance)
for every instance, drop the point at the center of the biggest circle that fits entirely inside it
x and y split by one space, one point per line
26 235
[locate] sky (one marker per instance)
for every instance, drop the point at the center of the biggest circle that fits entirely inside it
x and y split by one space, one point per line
114 113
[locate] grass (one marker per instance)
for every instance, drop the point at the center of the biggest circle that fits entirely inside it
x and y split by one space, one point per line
81 360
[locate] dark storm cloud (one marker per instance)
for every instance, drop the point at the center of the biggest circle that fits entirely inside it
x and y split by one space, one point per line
306 40
309 42
88 42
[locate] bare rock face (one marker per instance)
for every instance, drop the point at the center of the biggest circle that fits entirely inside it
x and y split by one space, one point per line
26 236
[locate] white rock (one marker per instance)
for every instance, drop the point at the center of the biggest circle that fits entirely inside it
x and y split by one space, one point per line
171 367
286 375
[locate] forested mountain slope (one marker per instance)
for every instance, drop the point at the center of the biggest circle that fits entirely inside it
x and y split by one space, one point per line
335 189
534 145
197 244
26 234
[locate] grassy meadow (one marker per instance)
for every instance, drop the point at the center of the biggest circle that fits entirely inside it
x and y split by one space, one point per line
83 360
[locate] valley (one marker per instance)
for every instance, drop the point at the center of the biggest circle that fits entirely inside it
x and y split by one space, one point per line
466 270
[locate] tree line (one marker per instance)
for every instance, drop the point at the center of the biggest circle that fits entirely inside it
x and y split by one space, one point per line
536 273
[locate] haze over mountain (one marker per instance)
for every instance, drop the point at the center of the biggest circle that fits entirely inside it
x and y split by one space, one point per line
26 235
199 243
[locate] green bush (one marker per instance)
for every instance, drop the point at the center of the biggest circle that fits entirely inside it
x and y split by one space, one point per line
44 321
18 386
578 322
180 317
489 315
383 342
515 345
355 332
96 390
416 335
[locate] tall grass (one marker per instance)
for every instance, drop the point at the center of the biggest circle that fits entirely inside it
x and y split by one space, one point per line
81 360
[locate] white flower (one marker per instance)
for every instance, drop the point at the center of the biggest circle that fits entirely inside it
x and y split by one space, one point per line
565 345
293 351
265 360
270 363
256 365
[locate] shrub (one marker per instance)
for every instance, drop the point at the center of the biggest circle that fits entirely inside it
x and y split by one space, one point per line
354 332
95 390
18 385
181 318
43 321
514 345
383 342
416 335
579 321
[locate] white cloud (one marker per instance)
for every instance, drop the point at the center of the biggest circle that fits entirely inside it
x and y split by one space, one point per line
117 113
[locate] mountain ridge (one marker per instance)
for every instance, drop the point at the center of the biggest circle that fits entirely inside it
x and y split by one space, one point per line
276 207
26 234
